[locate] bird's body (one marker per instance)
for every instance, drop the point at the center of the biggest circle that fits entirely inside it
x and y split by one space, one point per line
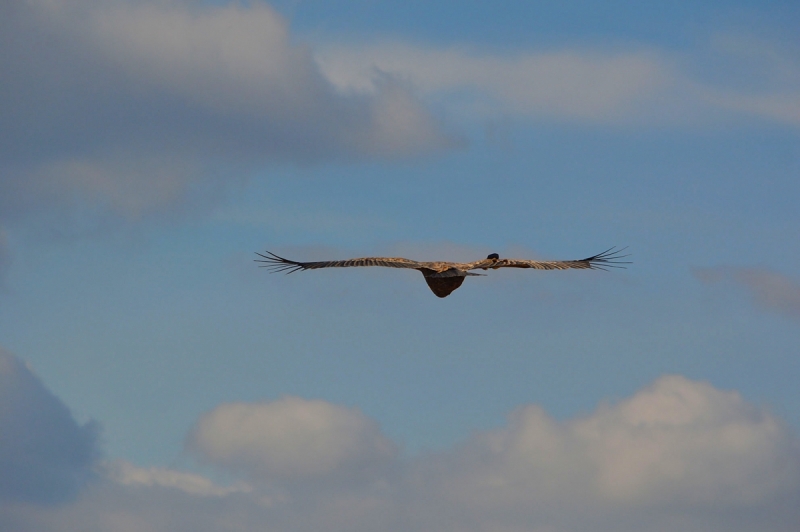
444 277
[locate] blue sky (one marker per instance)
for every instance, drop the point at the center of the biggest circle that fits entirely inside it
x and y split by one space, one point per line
150 147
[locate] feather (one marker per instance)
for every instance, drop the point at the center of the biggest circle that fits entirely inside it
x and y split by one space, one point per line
443 286
444 277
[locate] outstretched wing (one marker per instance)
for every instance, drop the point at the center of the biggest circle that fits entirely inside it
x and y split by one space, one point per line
610 258
278 264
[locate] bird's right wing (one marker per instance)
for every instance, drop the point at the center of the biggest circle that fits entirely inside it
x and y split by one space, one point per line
279 264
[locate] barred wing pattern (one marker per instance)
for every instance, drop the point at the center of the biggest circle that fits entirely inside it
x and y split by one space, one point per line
277 263
444 277
610 258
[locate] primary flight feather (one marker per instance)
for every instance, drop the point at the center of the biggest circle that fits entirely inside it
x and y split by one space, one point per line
444 277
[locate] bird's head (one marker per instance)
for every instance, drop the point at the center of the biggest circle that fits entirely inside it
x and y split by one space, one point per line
493 256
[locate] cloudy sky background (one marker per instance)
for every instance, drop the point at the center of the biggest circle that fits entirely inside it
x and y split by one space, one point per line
152 378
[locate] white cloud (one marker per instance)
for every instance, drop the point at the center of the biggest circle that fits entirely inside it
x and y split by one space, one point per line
677 440
639 85
746 74
678 455
128 474
291 438
133 186
570 84
778 107
137 105
133 104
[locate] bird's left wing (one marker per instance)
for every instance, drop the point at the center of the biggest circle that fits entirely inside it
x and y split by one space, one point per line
279 264
610 258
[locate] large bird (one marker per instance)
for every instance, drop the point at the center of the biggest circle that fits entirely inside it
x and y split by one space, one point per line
444 277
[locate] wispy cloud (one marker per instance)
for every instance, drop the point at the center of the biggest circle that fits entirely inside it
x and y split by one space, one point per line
570 84
639 85
769 290
677 455
127 474
138 104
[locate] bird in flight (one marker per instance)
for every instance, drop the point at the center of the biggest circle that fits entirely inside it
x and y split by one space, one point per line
444 277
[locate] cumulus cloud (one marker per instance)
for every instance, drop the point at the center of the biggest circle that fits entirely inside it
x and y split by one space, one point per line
45 456
678 455
677 443
769 289
136 105
291 438
132 104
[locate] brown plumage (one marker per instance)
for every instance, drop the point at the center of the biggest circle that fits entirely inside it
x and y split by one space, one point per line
443 286
444 277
